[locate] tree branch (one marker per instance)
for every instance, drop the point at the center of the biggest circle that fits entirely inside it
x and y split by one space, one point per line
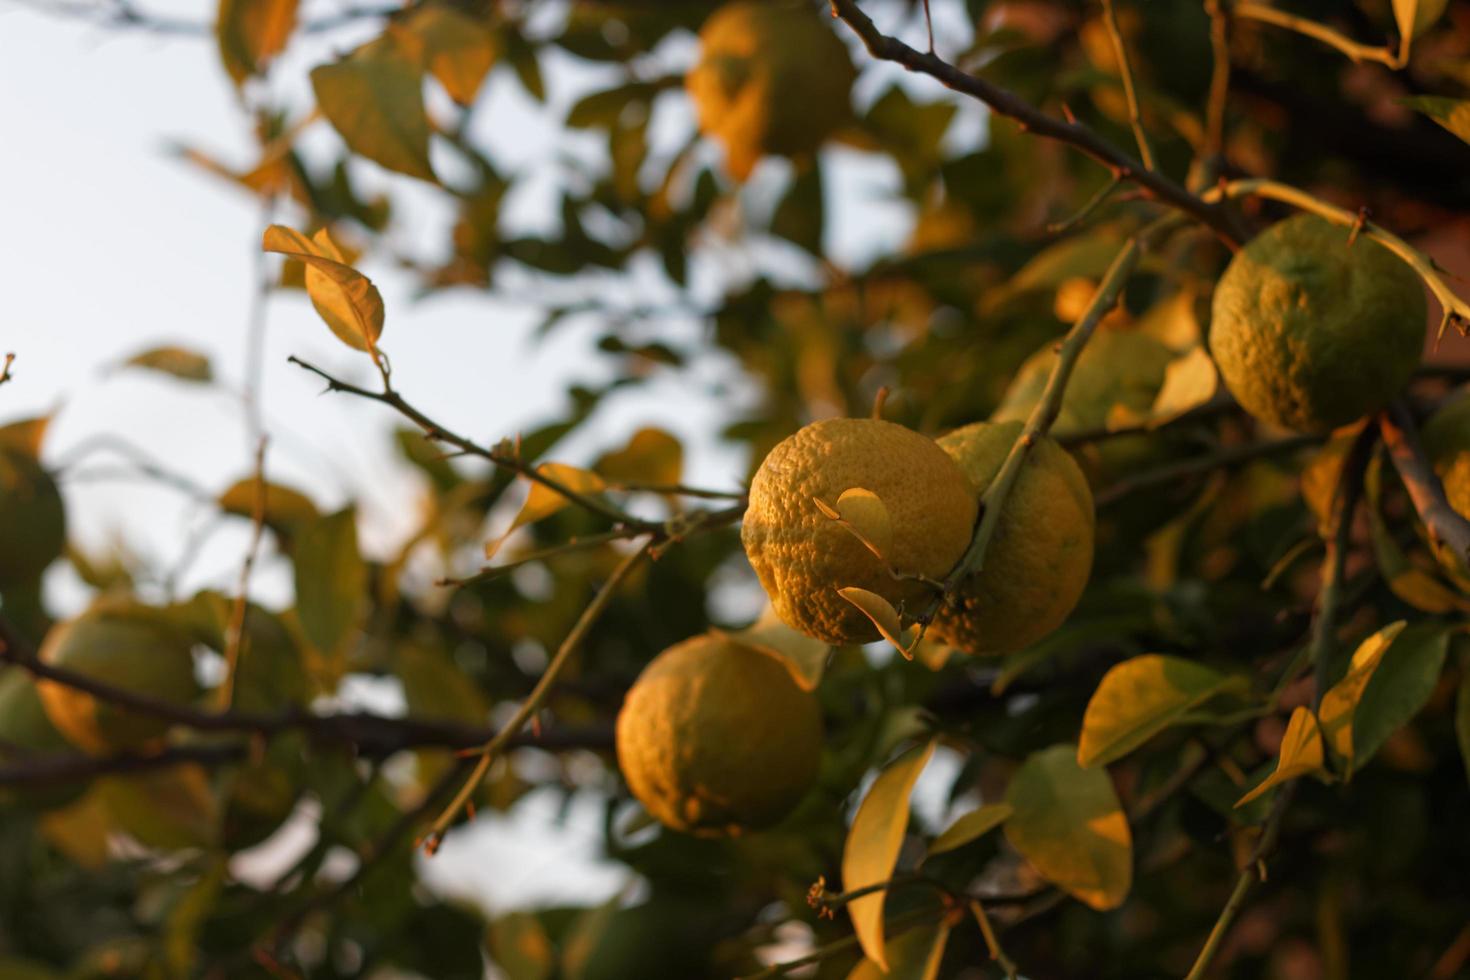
1447 528
1076 134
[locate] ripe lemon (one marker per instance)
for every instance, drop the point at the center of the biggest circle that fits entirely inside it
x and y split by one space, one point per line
771 78
1037 564
32 520
1310 332
715 737
125 645
803 556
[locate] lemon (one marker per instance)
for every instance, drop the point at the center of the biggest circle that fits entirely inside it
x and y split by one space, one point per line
32 520
1039 559
802 556
772 78
127 646
1310 332
716 737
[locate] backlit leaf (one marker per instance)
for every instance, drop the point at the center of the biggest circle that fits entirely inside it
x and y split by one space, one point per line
375 100
1301 754
251 32
1136 700
1068 823
286 510
914 955
867 516
883 615
181 363
972 826
345 298
651 456
543 501
1414 17
331 580
1341 700
456 49
1189 382
873 843
806 657
26 435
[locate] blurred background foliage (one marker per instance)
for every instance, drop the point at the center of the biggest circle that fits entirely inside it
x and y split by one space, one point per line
130 874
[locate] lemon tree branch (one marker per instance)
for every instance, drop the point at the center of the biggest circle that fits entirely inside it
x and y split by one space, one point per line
1130 93
1355 50
1446 527
1456 310
1076 134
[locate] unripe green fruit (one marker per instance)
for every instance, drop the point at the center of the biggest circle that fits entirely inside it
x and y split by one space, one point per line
127 646
1310 332
32 519
716 737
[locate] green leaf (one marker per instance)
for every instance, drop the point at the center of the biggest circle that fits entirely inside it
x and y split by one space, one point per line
806 657
1301 754
1341 700
914 955
435 687
602 109
455 48
520 948
1402 684
345 299
181 363
971 826
251 32
1068 823
1452 114
1189 382
873 844
1139 698
169 809
375 100
331 580
1462 714
800 216
286 510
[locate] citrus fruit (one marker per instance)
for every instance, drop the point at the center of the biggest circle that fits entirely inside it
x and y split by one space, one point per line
127 646
32 520
802 556
772 78
1038 561
1310 332
1446 439
715 737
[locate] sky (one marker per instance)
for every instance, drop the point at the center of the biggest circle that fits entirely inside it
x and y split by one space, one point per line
113 245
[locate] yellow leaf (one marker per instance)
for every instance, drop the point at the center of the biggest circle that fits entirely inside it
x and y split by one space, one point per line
972 826
1341 700
1068 823
251 32
651 456
914 955
864 512
883 615
25 436
286 510
806 657
375 100
184 364
873 844
543 501
1189 382
345 298
1136 700
456 49
1301 753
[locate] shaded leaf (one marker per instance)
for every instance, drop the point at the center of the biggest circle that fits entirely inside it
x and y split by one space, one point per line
1402 684
800 216
883 615
286 510
914 955
1300 755
520 948
873 843
806 657
1341 700
651 456
435 687
168 809
1462 714
972 826
25 436
331 580
1068 823
1136 700
180 362
375 100
1452 114
345 298
251 32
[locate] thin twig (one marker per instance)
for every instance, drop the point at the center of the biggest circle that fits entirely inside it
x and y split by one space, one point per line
1222 460
5 369
489 751
1074 133
1212 153
992 941
1447 527
1355 50
1130 93
235 632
